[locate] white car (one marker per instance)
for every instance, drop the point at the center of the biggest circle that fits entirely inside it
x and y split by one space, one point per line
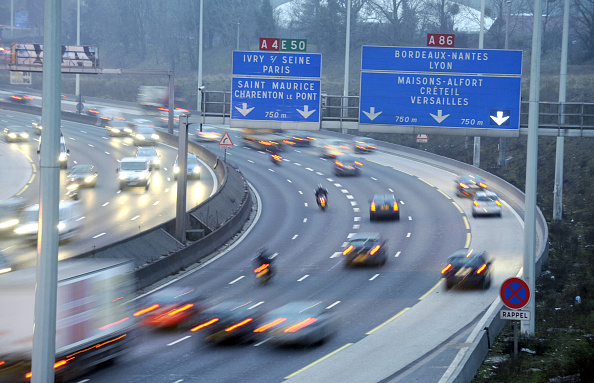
69 221
486 203
134 171
150 154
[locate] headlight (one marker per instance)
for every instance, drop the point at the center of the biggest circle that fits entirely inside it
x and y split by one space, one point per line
144 175
63 156
196 169
115 130
122 177
61 226
140 136
72 186
12 135
9 223
175 169
157 160
155 136
88 179
30 228
25 135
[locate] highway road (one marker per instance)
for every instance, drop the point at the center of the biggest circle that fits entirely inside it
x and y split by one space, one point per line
109 214
407 325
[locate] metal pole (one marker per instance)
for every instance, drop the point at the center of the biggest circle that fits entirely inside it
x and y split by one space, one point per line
476 159
11 18
238 36
171 105
503 140
347 53
558 188
46 288
182 179
199 103
77 90
531 166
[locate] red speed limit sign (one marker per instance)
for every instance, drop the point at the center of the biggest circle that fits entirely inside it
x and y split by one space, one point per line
440 40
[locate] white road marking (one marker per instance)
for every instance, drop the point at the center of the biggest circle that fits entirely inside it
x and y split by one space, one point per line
345 191
256 305
337 254
91 145
304 220
156 203
270 170
105 204
251 161
289 181
375 276
297 164
237 280
80 219
356 219
356 227
350 197
354 203
320 173
373 178
351 235
305 204
397 254
330 179
356 209
408 235
99 235
135 218
310 169
303 277
391 191
409 218
179 340
295 236
344 244
300 192
107 153
332 305
338 185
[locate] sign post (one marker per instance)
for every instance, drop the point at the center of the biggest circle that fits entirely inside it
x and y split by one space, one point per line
515 294
226 143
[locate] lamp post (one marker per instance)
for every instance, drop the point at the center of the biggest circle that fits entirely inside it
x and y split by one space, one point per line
77 88
507 23
199 103
238 36
503 140
201 89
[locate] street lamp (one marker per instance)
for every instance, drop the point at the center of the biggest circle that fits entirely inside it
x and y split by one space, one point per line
507 22
201 89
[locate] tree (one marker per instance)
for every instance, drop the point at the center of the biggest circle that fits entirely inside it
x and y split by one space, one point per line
583 26
265 21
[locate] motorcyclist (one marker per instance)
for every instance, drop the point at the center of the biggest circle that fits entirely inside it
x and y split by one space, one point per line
274 154
321 191
263 257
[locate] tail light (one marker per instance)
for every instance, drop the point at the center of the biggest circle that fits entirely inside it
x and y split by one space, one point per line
476 203
348 250
261 268
463 185
358 163
146 310
395 206
300 325
205 324
243 322
373 206
498 203
374 250
270 324
179 310
483 185
339 164
482 268
445 270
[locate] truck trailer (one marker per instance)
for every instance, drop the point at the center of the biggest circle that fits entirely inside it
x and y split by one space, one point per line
94 318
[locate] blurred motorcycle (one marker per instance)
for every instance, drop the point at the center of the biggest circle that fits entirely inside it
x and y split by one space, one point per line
276 158
322 202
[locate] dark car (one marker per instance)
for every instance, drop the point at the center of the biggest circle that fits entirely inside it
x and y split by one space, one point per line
365 248
145 136
298 138
468 185
229 322
364 145
37 126
384 205
16 134
347 165
486 203
301 323
467 267
85 175
171 307
20 98
118 128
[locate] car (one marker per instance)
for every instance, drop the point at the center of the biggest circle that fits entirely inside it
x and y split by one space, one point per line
486 203
384 205
364 145
365 248
10 210
299 323
193 166
299 138
20 98
118 128
37 126
229 322
16 133
208 135
69 221
5 265
467 267
468 185
347 165
105 114
145 136
333 148
86 175
163 120
133 172
64 152
150 154
171 307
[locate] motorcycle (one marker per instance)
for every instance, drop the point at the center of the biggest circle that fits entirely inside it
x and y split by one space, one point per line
322 202
276 158
72 189
263 273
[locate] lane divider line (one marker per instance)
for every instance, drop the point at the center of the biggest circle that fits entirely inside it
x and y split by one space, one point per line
319 360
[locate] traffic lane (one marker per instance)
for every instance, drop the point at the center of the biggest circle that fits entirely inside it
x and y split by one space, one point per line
16 167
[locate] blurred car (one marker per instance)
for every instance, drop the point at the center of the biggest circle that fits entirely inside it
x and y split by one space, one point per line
171 307
384 205
301 323
16 134
69 221
118 128
486 203
145 136
299 138
467 267
365 248
20 98
163 119
229 322
333 148
150 154
208 135
37 125
468 185
364 145
105 114
134 171
10 210
347 165
193 167
5 266
85 175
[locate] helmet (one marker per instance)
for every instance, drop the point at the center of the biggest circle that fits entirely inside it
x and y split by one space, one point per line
320 186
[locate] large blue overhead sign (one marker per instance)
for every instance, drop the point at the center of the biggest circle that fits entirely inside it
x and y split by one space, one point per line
432 90
276 90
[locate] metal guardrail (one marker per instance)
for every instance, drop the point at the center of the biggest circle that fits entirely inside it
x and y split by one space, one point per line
555 119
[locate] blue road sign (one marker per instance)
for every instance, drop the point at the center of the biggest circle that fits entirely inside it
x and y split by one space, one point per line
274 99
441 60
277 64
440 100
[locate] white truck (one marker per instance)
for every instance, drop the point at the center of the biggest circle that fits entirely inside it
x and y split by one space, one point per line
152 97
94 321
